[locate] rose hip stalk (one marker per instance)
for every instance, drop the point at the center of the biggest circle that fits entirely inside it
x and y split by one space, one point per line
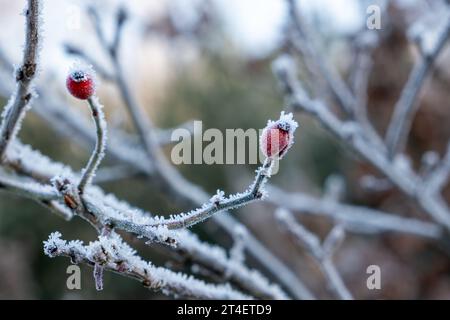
81 84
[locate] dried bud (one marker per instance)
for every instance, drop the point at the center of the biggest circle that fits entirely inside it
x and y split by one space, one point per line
278 136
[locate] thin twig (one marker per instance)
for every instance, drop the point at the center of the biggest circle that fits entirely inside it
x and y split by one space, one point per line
407 105
218 203
115 173
97 66
27 189
351 133
363 66
322 254
357 218
305 45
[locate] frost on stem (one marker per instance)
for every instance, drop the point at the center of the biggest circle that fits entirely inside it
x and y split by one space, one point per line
105 210
81 83
115 255
27 189
98 154
98 277
321 252
237 253
427 30
350 132
18 104
431 45
285 124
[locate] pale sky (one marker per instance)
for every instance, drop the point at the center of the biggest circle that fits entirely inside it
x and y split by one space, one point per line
254 25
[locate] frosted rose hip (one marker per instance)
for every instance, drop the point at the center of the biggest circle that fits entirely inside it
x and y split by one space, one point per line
275 141
80 84
278 136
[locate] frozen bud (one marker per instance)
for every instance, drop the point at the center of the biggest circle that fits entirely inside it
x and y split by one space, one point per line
278 136
81 83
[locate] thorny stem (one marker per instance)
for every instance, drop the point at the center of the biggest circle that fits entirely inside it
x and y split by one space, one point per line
16 108
100 144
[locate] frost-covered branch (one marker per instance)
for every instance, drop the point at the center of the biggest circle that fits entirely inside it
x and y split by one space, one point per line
122 216
304 43
91 209
97 66
142 123
407 105
356 218
116 256
276 139
14 112
237 250
365 44
71 124
115 173
210 256
351 103
375 184
43 194
28 189
322 253
399 171
220 203
439 176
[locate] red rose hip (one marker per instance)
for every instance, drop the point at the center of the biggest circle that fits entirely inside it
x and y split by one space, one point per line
80 84
278 136
274 141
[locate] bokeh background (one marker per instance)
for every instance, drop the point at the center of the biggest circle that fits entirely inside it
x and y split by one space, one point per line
210 60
